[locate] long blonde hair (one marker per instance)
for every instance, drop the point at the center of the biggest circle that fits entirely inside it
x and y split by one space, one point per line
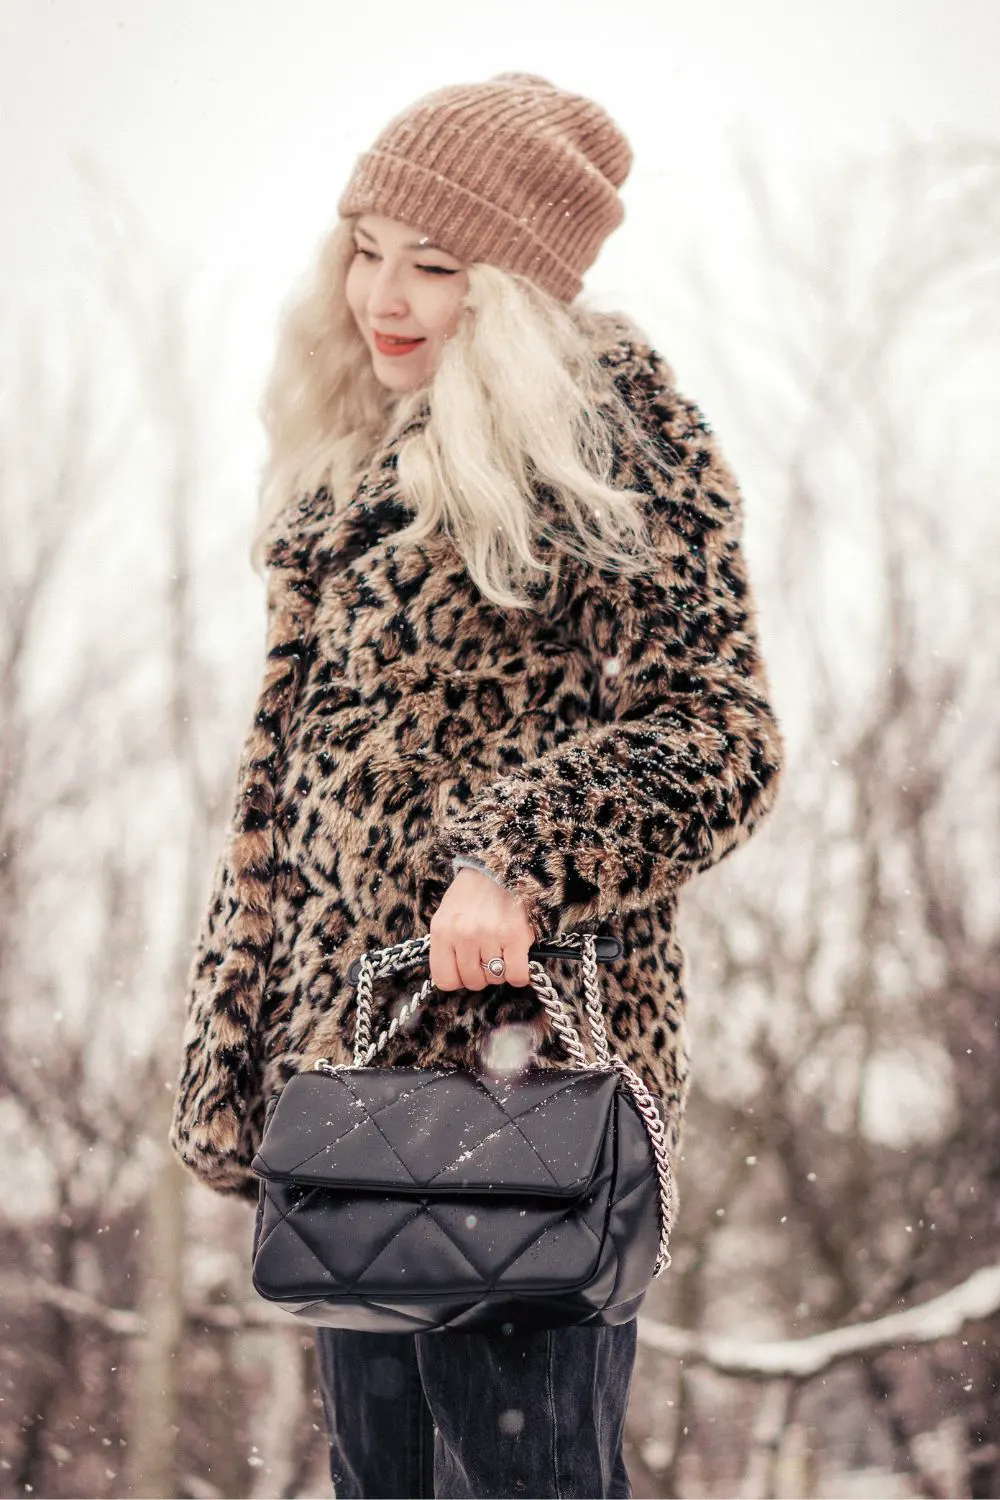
519 400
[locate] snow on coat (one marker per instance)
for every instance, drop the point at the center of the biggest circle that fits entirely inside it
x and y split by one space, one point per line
593 754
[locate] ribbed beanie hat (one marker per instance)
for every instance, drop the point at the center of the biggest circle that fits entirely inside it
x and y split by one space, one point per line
514 172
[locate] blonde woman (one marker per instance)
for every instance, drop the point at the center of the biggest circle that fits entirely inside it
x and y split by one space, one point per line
513 688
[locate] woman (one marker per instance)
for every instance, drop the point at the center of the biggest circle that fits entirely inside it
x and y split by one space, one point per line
513 688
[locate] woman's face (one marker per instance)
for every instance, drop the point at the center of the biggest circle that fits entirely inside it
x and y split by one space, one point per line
408 290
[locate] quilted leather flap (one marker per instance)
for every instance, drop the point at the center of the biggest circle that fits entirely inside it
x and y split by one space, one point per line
431 1131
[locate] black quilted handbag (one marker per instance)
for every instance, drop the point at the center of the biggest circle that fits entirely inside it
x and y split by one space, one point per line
398 1199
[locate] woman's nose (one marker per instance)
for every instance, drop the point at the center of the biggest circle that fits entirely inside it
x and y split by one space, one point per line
385 298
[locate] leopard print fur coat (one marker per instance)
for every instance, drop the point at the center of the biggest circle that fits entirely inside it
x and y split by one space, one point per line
593 753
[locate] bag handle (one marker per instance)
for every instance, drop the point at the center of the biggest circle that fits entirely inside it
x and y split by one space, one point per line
384 961
565 946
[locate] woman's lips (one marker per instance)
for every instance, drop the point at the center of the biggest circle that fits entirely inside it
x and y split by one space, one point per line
395 346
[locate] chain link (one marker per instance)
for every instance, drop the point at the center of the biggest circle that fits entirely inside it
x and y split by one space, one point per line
385 961
646 1105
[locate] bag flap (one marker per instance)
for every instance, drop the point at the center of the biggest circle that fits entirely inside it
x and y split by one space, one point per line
427 1131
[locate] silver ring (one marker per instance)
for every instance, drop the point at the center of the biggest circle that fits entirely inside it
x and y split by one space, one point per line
494 966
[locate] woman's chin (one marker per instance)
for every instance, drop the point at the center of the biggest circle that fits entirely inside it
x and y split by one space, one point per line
400 382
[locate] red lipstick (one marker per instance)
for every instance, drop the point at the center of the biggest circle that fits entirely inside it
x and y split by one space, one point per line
394 346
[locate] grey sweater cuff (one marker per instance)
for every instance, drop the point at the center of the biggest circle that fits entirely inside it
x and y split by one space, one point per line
465 862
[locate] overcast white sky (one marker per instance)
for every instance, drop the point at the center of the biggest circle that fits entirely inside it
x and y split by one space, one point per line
232 124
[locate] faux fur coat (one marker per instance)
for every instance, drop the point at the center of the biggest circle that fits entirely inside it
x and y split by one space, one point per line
593 753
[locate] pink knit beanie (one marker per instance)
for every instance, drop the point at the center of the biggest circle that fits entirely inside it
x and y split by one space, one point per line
514 172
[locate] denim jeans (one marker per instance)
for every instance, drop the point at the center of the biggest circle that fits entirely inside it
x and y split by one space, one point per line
469 1414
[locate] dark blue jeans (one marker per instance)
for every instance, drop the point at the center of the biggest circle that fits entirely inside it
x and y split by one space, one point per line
469 1414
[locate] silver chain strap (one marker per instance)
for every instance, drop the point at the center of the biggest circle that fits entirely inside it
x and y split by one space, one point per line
382 962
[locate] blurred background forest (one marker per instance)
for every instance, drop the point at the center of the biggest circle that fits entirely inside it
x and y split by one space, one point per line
830 1323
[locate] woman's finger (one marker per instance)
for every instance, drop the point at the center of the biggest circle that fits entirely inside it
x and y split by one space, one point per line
470 965
443 965
513 943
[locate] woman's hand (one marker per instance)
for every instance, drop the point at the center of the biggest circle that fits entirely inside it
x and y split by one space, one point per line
476 921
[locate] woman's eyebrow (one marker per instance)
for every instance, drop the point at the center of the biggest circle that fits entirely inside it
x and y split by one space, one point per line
414 245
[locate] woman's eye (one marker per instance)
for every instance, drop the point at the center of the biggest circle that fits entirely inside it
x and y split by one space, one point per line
431 270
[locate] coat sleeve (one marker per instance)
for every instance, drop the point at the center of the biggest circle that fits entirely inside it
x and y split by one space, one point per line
213 1118
686 756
